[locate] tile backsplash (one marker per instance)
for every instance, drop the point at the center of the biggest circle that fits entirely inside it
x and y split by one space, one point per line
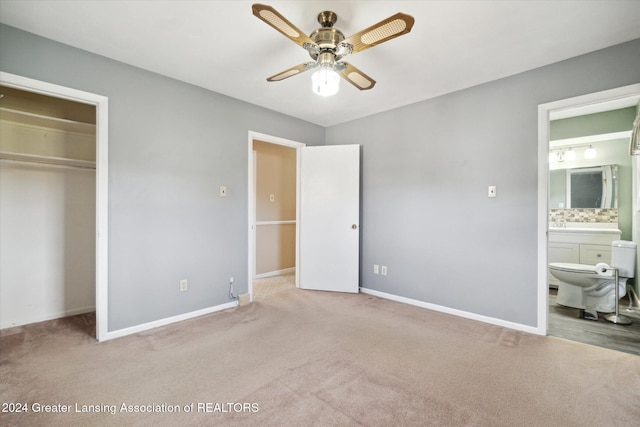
583 215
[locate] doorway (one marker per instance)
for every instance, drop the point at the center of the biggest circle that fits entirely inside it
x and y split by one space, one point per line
99 104
328 202
595 103
273 213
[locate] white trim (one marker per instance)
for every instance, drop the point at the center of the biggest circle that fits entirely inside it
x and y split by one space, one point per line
169 320
298 209
102 180
276 273
253 136
584 140
273 140
545 111
543 218
447 310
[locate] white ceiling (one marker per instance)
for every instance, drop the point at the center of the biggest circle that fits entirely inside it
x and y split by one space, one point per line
221 46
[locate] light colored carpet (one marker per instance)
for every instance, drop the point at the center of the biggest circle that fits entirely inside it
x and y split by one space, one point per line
305 358
273 285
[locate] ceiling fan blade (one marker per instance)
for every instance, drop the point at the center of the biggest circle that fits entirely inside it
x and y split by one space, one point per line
280 23
357 77
292 72
390 28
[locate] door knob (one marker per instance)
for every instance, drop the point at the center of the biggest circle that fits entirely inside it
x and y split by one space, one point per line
354 226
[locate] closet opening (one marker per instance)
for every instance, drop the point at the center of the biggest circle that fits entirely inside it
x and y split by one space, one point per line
48 208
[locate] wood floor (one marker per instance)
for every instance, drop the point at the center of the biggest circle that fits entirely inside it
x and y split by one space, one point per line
565 323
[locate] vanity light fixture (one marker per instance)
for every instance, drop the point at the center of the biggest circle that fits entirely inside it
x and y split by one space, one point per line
590 153
559 156
570 155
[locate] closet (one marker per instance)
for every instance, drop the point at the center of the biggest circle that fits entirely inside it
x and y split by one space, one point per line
47 207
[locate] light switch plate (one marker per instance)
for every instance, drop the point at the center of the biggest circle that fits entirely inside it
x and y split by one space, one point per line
492 191
223 191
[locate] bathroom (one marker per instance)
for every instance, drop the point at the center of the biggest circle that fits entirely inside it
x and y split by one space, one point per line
592 180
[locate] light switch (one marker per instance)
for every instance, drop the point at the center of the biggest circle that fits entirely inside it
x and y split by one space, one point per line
272 198
492 191
223 191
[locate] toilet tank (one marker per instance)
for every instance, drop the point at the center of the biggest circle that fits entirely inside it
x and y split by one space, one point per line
623 256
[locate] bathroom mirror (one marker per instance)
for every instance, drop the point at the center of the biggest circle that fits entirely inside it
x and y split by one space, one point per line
591 187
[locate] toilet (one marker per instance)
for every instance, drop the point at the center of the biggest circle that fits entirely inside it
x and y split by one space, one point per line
585 288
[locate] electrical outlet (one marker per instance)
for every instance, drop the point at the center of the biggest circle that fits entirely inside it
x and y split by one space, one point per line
376 269
183 285
383 270
231 280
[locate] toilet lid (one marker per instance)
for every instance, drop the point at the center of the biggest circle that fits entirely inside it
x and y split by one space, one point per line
579 268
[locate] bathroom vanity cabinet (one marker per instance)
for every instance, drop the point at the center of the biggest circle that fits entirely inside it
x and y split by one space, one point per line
580 246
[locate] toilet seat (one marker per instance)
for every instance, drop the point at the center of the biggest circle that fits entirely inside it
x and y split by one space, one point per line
575 268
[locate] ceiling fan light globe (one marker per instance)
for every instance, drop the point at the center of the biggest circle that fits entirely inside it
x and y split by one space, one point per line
325 82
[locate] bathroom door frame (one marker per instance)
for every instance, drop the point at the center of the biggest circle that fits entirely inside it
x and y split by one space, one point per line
545 111
102 162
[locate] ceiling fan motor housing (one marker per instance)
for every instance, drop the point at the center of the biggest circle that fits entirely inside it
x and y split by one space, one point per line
326 37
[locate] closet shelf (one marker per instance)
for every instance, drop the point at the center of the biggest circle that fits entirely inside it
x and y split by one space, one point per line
58 161
33 119
290 221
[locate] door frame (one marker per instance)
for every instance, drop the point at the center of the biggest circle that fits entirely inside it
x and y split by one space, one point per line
544 114
251 196
101 104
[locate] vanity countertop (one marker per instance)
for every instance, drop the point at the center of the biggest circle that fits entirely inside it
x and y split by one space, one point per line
584 230
585 227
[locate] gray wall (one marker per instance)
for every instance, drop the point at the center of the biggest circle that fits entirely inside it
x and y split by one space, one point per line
171 145
426 168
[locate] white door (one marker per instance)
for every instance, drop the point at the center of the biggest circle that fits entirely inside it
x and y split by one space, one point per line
329 218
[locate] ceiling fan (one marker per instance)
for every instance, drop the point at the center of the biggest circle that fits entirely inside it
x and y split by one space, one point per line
327 46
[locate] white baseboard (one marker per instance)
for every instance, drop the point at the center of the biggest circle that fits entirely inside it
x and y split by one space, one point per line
45 317
459 313
275 273
167 321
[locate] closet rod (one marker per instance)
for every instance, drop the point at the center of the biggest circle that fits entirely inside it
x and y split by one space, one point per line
55 161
